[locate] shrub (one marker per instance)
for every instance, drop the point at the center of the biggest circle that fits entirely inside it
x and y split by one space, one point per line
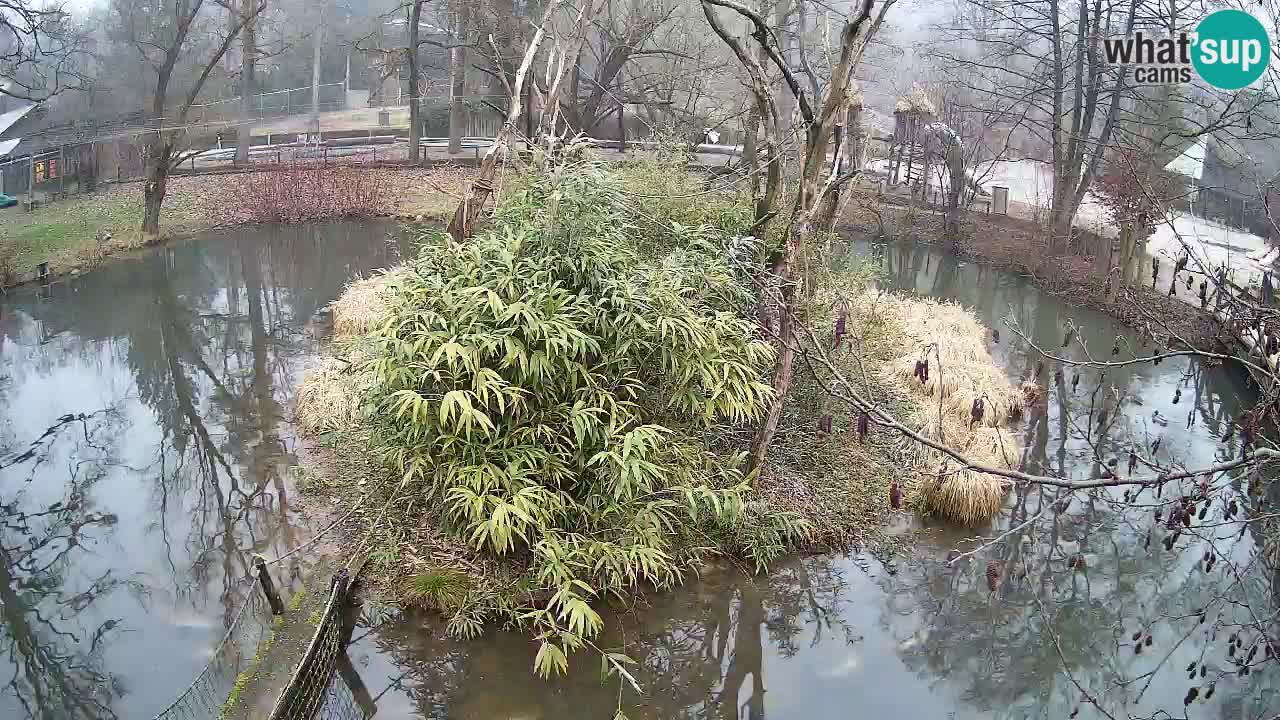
552 392
301 192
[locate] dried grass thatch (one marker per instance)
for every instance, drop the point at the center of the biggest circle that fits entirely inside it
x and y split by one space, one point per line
1031 392
856 96
363 305
917 101
961 370
330 396
961 494
960 367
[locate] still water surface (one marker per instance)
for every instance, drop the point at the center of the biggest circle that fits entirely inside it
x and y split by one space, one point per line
123 535
858 636
145 455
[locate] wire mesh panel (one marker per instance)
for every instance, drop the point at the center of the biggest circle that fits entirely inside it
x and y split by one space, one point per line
321 685
206 697
340 701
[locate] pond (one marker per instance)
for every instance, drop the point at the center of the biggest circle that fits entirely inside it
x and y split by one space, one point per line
147 456
860 636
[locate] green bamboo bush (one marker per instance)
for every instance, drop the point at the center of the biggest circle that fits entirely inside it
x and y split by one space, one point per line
554 388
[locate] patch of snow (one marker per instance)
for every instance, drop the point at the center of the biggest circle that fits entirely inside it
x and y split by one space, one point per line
1211 245
7 146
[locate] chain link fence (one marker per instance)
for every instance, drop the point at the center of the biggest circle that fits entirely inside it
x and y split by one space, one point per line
207 695
325 686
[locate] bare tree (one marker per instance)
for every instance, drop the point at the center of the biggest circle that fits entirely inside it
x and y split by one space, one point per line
458 75
412 47
40 50
248 80
818 178
182 31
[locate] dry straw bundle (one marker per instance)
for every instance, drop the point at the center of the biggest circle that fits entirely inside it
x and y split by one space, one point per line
916 101
960 371
364 304
330 396
331 393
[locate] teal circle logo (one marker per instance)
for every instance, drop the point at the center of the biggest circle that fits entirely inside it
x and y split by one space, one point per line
1231 49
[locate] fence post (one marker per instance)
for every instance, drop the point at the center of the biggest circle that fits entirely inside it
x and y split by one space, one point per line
268 587
622 129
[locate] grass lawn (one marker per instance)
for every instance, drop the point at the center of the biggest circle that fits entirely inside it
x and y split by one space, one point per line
65 234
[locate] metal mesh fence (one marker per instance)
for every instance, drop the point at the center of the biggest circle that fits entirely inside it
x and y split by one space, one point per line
324 686
206 696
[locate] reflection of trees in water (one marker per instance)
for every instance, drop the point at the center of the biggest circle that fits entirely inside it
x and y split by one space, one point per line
220 355
55 657
1008 649
211 334
700 653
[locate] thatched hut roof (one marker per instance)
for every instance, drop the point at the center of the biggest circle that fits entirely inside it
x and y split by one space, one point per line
855 94
915 102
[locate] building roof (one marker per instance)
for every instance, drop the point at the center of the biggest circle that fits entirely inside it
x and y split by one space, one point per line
1191 161
8 119
7 146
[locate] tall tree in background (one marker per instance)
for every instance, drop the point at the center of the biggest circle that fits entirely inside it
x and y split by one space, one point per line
317 44
1049 56
39 50
412 46
184 35
458 74
248 79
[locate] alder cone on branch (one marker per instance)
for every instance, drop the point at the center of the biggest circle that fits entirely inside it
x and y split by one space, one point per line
993 574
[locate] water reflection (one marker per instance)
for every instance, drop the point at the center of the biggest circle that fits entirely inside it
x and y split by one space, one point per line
145 458
850 636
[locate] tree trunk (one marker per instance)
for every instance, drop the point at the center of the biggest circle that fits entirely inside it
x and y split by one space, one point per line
315 73
1137 239
1060 216
955 191
1118 263
750 156
248 83
411 53
458 78
857 137
800 236
156 180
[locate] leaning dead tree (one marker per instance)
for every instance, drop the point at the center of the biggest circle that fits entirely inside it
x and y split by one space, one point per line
463 223
823 119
